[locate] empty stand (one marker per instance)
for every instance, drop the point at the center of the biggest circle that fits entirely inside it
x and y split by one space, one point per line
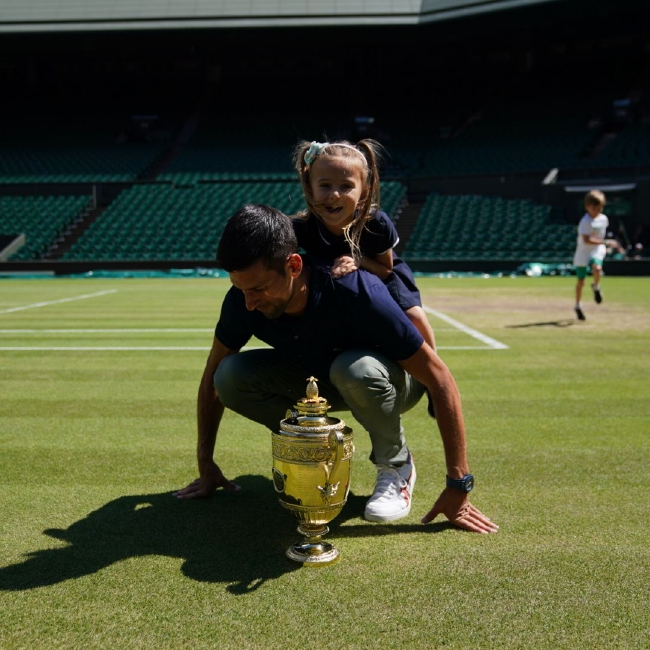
164 222
488 228
42 219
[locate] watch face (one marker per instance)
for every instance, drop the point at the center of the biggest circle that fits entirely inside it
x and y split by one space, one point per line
466 484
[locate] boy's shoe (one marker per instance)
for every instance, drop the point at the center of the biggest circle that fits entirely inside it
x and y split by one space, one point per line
579 314
391 498
598 296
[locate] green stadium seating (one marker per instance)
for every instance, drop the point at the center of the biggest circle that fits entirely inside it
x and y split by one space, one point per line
40 218
471 227
164 222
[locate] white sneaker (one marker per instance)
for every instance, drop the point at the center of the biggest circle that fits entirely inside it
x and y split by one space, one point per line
391 498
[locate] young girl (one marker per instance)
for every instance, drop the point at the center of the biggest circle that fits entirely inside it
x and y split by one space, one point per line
343 226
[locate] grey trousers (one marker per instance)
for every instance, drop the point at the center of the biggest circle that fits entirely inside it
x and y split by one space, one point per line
262 384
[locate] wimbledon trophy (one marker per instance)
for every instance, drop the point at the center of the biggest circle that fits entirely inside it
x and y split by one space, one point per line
311 473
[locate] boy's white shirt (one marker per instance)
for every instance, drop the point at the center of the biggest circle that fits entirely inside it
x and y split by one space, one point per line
596 227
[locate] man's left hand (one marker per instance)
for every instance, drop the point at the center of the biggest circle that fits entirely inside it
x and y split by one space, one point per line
455 505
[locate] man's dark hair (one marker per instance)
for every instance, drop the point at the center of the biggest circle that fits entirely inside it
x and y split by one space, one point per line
254 233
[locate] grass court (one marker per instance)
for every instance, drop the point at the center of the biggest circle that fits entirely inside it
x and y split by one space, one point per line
98 379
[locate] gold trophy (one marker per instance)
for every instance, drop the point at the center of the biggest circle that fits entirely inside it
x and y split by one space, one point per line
311 473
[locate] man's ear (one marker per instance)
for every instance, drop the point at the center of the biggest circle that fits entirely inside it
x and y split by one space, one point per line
294 264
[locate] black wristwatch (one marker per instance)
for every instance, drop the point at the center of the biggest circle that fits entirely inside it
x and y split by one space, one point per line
465 484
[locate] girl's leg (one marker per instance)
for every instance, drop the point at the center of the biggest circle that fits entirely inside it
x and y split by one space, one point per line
418 317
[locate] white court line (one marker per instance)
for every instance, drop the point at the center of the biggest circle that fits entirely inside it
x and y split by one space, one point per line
492 344
170 348
130 330
137 330
117 348
56 302
120 348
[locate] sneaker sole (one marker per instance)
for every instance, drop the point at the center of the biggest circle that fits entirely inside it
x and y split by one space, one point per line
388 518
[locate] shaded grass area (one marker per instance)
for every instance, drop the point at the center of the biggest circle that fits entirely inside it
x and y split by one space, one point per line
95 552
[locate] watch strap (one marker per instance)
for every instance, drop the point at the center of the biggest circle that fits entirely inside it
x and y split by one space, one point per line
465 484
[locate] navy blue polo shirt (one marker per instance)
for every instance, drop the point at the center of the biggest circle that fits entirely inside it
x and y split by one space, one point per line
355 311
378 236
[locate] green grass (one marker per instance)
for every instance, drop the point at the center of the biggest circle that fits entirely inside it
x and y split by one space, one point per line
96 553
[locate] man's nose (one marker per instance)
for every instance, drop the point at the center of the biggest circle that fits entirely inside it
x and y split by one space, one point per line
251 302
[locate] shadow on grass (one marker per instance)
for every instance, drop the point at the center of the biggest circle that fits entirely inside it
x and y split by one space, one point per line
567 322
236 538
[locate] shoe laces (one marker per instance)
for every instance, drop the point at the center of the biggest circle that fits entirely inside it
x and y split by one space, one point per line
389 481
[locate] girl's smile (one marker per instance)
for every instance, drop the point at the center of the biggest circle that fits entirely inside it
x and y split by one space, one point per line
337 186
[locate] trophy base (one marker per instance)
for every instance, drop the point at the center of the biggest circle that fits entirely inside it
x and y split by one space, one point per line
313 551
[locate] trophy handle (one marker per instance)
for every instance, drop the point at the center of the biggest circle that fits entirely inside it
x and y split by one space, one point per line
335 442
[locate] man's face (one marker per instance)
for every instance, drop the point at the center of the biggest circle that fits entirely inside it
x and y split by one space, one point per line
264 289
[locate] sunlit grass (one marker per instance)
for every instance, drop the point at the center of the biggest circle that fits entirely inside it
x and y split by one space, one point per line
96 553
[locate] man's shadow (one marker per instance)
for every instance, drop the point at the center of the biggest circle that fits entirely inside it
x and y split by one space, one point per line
236 538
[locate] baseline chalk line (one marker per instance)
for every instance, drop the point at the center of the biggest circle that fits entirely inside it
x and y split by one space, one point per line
493 344
57 302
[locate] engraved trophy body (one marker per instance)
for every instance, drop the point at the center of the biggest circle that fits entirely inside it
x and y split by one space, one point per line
312 455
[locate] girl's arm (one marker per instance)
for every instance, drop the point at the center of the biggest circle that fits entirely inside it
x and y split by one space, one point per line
381 265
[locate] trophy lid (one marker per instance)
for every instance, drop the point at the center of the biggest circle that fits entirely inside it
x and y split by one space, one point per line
309 414
312 404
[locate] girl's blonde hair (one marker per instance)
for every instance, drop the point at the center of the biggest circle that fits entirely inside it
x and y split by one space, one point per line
367 154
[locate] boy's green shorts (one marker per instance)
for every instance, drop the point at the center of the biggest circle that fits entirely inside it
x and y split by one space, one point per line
581 271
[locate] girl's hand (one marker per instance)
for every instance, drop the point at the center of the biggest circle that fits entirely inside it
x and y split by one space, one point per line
342 266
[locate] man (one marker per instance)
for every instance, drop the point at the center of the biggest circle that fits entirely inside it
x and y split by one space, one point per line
350 334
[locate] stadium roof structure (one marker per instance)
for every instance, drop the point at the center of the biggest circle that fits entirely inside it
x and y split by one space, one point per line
30 16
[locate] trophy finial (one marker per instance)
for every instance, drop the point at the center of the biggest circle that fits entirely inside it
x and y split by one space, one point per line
312 389
312 405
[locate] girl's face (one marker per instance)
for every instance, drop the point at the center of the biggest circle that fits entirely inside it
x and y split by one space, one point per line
337 186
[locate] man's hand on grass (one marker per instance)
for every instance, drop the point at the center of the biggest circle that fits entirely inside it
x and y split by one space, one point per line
455 505
207 484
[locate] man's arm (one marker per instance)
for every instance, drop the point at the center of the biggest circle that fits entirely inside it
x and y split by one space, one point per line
209 412
427 367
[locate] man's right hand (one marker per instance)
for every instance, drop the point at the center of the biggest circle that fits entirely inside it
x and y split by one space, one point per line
207 484
456 507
